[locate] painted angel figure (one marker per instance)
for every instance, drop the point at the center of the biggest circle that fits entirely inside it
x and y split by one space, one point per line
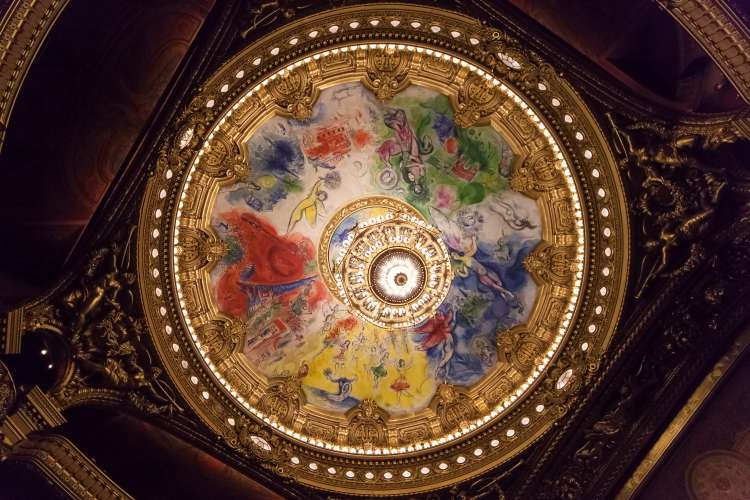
463 248
511 214
308 207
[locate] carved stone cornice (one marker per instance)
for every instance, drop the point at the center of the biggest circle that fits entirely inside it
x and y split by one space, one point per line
7 391
35 412
11 329
67 467
721 33
23 28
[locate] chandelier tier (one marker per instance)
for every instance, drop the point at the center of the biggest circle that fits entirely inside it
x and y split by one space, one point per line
393 270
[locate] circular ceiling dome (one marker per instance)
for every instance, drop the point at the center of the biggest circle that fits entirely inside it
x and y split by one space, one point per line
384 249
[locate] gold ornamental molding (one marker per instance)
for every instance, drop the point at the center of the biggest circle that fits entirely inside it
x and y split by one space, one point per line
36 412
721 33
11 331
23 28
67 467
563 167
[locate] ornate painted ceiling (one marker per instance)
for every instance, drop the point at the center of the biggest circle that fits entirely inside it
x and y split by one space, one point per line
378 249
394 249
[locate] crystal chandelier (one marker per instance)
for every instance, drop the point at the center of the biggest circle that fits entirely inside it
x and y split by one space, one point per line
393 270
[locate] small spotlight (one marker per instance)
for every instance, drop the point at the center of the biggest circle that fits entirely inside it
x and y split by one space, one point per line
44 352
49 366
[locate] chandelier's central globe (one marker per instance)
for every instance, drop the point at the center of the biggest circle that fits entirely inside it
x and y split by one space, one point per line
391 269
397 275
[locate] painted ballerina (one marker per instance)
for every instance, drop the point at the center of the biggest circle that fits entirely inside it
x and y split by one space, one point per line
340 358
379 371
359 344
401 385
410 148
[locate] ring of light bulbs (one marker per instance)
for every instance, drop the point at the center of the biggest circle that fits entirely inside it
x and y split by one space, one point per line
586 320
498 409
484 442
397 275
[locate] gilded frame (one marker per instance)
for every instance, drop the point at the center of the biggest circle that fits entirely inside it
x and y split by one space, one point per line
175 248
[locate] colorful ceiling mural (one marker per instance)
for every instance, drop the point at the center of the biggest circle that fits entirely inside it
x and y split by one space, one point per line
382 254
352 148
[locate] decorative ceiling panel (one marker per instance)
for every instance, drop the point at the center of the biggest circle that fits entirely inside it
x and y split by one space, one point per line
385 249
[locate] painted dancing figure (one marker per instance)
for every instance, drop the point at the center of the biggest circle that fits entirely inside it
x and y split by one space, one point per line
401 385
379 371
